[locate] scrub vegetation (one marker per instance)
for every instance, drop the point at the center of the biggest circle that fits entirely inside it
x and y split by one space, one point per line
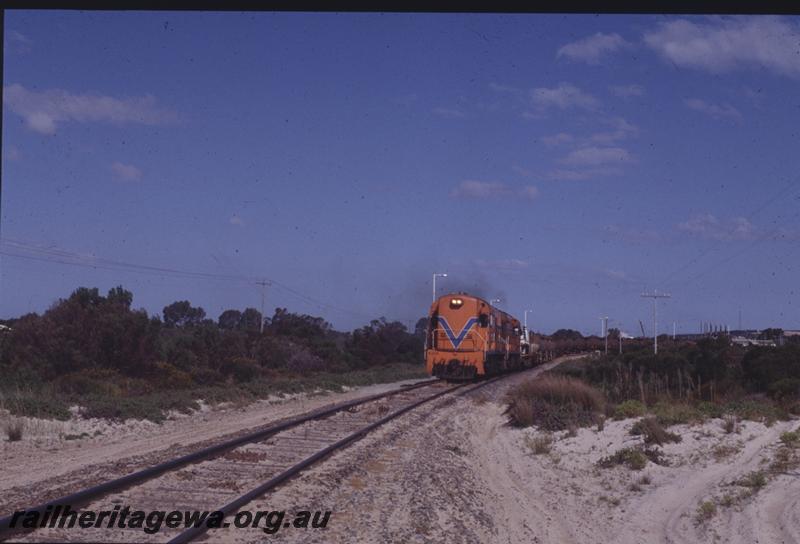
690 382
555 403
116 362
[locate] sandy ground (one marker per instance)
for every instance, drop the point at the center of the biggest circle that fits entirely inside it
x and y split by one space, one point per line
455 472
51 451
458 473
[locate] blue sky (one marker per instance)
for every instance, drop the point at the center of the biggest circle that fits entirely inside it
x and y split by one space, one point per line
563 163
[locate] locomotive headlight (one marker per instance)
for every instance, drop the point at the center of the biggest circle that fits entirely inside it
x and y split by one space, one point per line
456 302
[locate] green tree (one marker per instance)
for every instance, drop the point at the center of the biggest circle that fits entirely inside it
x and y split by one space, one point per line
118 295
421 327
182 314
250 320
229 319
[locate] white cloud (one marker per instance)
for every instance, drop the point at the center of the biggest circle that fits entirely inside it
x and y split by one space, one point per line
448 113
710 227
43 110
569 175
502 264
236 220
730 43
592 48
626 91
726 111
557 139
562 97
522 171
497 87
492 189
580 174
18 41
621 129
633 235
596 156
126 172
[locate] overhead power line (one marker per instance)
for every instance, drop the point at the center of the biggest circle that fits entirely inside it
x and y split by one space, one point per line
791 185
21 250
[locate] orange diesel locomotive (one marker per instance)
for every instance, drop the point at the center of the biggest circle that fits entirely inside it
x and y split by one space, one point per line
468 338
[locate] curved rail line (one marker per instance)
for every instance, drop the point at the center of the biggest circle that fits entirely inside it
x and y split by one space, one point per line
85 495
141 476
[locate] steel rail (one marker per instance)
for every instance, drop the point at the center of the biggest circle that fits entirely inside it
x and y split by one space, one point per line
89 493
196 531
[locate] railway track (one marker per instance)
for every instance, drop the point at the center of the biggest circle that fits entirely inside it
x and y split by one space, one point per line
227 476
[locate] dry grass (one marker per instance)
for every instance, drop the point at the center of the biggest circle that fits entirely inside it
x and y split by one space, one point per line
730 424
754 480
787 456
629 408
791 438
613 501
14 429
633 458
653 432
555 403
723 451
541 444
705 511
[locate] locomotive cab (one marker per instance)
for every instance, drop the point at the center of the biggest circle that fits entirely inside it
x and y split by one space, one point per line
468 338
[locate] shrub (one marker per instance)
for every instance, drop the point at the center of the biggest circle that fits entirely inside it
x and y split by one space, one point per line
540 444
241 368
630 408
754 480
784 388
554 403
633 458
91 382
757 408
172 377
676 413
572 431
41 404
790 438
706 511
710 409
653 432
786 459
150 407
722 451
730 424
14 430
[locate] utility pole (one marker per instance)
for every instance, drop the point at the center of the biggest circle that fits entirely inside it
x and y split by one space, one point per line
604 322
673 330
620 342
435 275
263 284
740 319
655 295
527 336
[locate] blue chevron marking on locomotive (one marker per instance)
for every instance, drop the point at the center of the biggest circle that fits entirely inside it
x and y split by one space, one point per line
456 340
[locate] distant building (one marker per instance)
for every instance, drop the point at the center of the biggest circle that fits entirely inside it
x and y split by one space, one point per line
745 341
